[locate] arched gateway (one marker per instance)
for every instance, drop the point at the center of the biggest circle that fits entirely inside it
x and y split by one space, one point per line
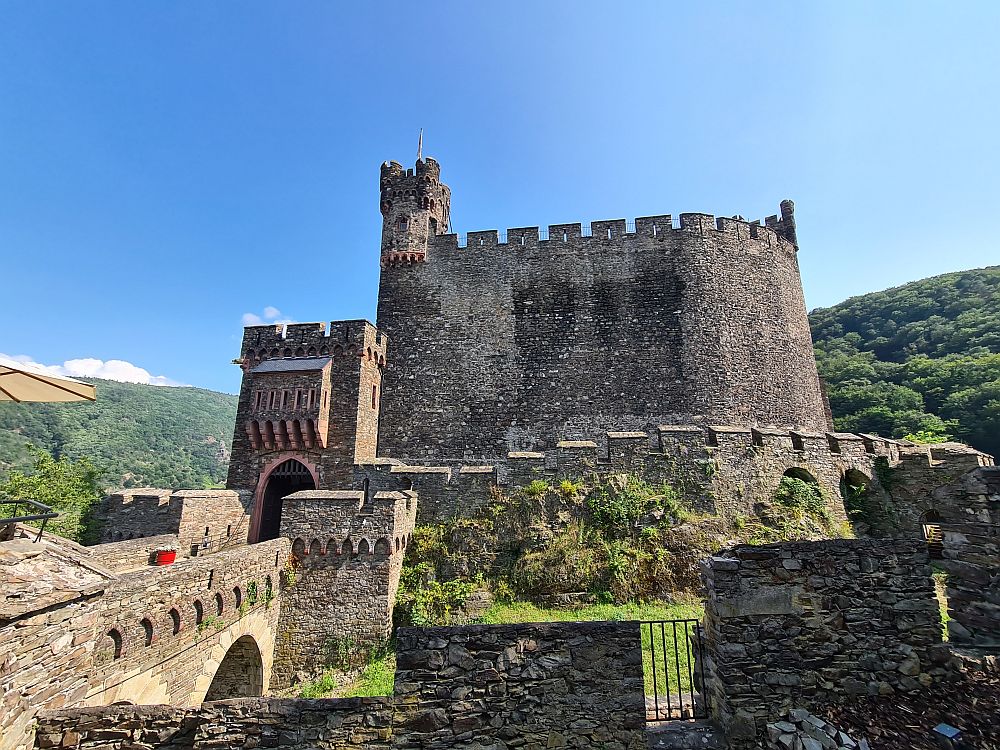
287 477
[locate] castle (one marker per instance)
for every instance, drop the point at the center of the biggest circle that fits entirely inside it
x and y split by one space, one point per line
679 347
680 353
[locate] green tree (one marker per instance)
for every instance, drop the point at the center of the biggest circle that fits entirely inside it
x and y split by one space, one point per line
68 487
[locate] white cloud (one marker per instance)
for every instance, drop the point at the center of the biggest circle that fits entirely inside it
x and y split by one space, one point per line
89 367
270 316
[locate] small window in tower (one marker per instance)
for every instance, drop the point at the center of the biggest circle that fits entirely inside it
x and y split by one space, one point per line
270 399
374 395
324 400
434 226
259 399
403 224
312 398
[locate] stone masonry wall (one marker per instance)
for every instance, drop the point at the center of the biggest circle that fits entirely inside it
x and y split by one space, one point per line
574 685
797 624
932 480
362 723
724 470
192 515
971 551
132 554
515 342
348 555
571 685
164 623
48 615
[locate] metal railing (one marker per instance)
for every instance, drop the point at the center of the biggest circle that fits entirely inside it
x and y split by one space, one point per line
10 517
673 669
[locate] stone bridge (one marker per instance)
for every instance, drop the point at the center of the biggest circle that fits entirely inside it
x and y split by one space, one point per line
91 626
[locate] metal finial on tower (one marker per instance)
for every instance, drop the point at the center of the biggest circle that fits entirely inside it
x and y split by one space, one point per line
420 145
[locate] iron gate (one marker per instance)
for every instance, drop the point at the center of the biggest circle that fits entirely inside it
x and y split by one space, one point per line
673 669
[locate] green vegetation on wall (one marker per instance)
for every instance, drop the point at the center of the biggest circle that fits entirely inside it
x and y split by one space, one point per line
135 435
920 360
610 539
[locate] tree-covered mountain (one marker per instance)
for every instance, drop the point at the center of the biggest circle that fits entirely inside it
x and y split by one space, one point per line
135 435
920 358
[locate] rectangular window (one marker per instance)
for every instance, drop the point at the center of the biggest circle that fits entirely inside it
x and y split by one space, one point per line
257 400
270 400
286 400
374 395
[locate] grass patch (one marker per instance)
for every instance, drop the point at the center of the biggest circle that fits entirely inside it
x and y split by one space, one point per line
660 648
941 592
516 612
376 678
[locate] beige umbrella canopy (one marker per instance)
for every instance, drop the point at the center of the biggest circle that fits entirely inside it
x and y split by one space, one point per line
23 382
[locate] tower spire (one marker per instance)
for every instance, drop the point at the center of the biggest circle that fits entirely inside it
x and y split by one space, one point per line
420 145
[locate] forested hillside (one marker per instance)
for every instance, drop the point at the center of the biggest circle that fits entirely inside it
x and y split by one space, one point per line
919 358
135 435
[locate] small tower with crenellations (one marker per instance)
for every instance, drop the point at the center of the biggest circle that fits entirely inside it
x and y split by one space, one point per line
416 206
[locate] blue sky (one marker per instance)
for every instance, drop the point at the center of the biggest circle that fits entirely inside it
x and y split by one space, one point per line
167 168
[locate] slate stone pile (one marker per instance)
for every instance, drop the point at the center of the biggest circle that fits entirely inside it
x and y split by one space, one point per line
800 730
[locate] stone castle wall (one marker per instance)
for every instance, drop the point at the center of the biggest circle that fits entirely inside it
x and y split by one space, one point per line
571 685
799 624
348 554
165 622
132 554
724 470
971 558
516 345
74 632
191 515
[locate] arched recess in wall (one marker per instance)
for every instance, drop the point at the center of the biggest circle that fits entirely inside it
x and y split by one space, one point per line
287 477
855 489
930 527
241 673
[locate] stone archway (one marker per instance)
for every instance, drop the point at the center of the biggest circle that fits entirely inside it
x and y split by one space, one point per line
287 477
241 673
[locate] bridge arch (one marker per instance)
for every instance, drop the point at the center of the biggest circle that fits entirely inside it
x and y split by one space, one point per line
240 674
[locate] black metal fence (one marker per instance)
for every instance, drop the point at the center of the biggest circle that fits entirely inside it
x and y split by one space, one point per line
673 670
11 513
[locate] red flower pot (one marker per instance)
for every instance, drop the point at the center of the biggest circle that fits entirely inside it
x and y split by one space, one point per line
165 556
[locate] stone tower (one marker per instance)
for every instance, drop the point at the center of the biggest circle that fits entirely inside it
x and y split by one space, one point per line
519 340
415 207
308 412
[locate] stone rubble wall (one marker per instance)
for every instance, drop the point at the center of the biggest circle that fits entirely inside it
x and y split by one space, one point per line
970 531
946 480
190 515
795 624
724 470
348 556
575 685
132 554
333 724
46 642
572 685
